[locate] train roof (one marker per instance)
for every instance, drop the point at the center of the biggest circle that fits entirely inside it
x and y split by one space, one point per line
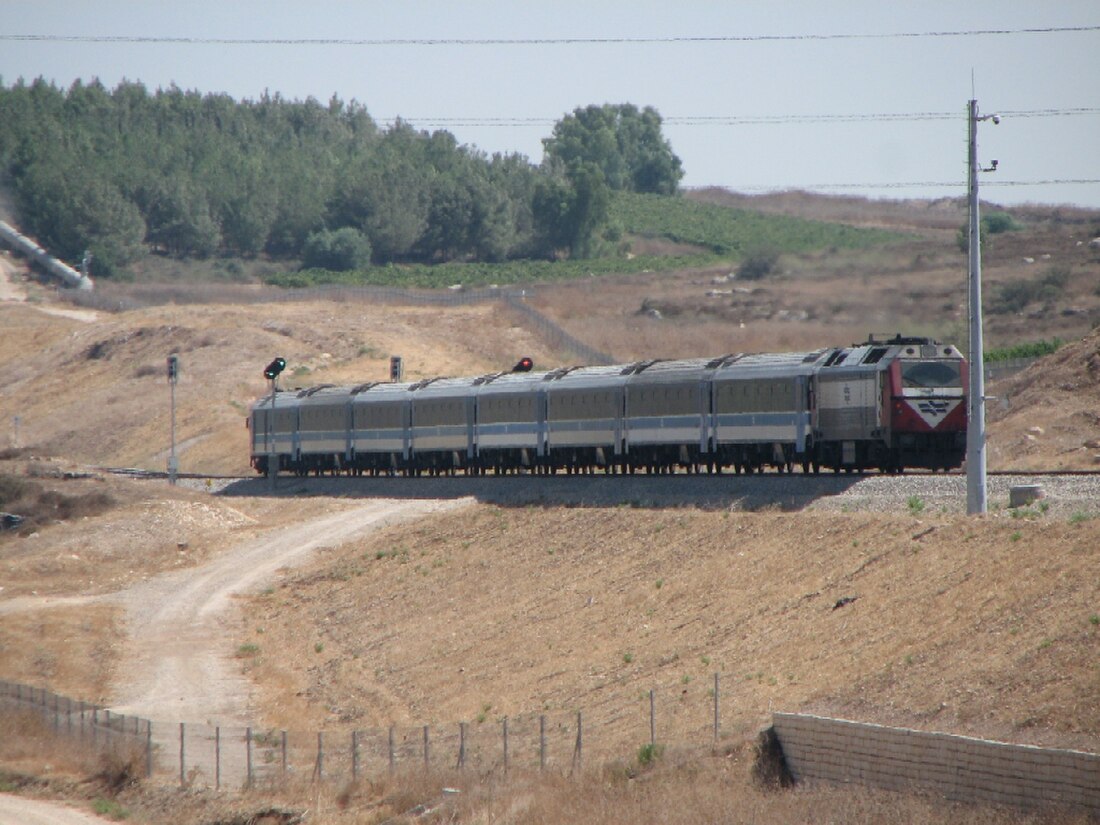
374 391
499 383
282 399
323 394
762 364
580 377
687 369
442 388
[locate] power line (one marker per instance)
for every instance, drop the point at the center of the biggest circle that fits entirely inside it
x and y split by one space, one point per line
924 184
530 41
757 120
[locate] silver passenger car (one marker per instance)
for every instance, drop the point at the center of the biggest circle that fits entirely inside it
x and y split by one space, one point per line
441 427
380 415
511 427
668 411
584 415
762 409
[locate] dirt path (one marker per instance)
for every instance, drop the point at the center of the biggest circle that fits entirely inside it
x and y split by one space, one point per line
178 664
15 810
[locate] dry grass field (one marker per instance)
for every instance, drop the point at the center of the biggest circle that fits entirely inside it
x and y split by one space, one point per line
987 626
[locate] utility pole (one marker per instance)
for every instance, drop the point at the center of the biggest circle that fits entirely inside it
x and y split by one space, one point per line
173 377
975 426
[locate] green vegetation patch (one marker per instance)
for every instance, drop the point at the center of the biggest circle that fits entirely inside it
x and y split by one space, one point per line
728 231
440 276
1026 349
721 231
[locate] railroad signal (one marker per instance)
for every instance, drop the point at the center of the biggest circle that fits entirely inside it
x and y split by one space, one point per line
524 364
396 368
272 370
173 368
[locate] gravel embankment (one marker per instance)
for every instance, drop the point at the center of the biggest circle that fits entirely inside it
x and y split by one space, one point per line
931 493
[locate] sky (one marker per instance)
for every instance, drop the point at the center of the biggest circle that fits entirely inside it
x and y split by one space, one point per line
755 96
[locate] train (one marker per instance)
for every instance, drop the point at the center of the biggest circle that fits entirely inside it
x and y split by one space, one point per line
887 404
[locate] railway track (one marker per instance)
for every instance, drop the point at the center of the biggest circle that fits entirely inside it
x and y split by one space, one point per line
1065 493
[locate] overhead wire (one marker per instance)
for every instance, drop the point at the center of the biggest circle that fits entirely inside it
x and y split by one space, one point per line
754 120
532 41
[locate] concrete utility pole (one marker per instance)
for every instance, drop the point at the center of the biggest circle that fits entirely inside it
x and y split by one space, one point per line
975 427
173 378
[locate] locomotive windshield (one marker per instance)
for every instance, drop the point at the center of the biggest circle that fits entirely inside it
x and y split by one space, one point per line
930 374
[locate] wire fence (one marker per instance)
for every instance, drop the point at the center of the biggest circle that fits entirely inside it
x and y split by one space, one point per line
195 754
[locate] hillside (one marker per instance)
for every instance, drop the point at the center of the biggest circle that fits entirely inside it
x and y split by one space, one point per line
90 386
549 605
980 628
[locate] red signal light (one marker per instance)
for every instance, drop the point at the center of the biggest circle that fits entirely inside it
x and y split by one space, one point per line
524 364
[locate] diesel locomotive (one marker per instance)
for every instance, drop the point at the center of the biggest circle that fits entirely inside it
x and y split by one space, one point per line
890 404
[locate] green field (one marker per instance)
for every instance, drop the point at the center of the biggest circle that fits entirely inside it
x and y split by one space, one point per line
722 234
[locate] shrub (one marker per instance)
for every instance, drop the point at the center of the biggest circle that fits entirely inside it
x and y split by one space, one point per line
648 754
757 265
1015 295
994 223
343 250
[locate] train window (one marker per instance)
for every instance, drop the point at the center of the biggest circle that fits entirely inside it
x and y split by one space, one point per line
874 356
930 374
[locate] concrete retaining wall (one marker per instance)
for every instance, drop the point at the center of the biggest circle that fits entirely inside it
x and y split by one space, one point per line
959 767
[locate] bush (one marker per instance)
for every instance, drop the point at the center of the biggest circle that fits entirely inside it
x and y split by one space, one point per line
340 251
1013 296
992 224
648 754
757 265
997 222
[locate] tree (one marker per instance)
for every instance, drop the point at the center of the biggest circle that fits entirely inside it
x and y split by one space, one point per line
570 207
339 251
624 143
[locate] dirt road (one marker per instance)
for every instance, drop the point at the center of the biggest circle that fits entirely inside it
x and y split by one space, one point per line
15 810
178 665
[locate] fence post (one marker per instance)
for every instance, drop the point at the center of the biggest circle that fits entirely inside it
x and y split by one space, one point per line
320 771
248 754
68 715
82 719
56 715
461 744
95 724
578 749
652 721
217 757
542 743
716 708
183 783
148 748
392 757
426 749
505 724
354 755
284 751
